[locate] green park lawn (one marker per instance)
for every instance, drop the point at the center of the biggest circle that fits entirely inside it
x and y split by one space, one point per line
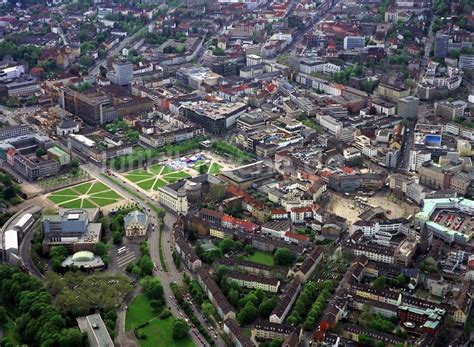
262 258
158 332
85 195
214 169
138 178
67 191
159 183
99 187
156 169
166 170
83 188
155 176
76 203
147 184
210 168
86 203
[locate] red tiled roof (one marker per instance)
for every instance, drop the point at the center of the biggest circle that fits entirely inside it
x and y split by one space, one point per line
278 211
245 224
296 236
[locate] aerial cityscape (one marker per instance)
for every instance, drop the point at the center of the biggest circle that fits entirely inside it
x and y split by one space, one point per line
273 173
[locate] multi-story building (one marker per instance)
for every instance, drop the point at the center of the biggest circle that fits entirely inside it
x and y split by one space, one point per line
392 92
22 88
380 230
211 216
441 45
246 175
61 156
430 320
189 257
466 62
304 271
231 328
254 281
76 229
252 121
408 107
384 254
253 59
218 299
425 218
450 110
254 268
11 73
286 301
14 131
332 125
391 158
459 130
418 158
162 139
271 331
176 200
180 195
94 108
35 170
366 291
216 118
195 77
122 74
107 150
310 66
445 177
352 42
135 224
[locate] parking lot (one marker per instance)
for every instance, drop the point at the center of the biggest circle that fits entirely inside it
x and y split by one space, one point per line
122 255
454 220
350 208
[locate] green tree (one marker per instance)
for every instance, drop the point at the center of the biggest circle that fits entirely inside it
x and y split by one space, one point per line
161 213
152 287
6 180
234 297
380 282
58 252
100 249
146 266
180 329
3 316
207 309
75 163
156 305
308 324
365 340
203 169
249 249
71 337
227 245
266 307
117 237
218 51
283 256
247 314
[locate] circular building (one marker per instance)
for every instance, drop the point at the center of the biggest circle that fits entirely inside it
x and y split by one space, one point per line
84 260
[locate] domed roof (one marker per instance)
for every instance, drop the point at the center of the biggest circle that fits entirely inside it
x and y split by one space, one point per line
83 256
